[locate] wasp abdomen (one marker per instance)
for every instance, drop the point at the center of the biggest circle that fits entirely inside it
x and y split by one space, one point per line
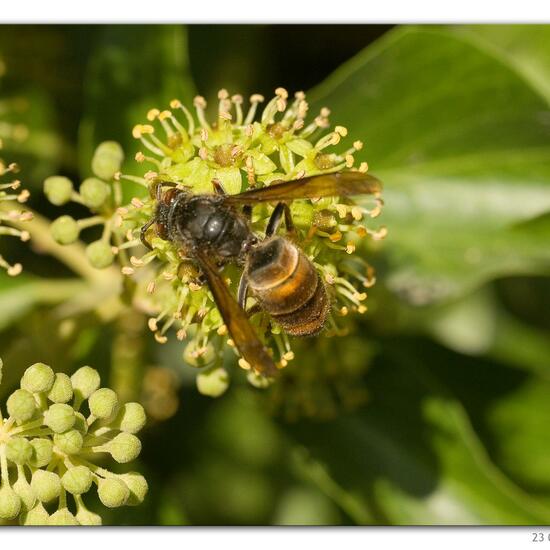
287 286
310 318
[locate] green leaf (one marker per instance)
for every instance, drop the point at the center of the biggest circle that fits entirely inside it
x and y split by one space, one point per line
412 455
478 325
461 141
524 47
18 295
519 428
133 68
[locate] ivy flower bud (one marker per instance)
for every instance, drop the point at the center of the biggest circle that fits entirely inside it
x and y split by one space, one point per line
62 390
25 493
42 451
18 450
131 418
64 230
77 480
124 447
138 487
10 503
59 417
36 516
46 485
100 254
21 405
62 517
58 189
60 459
213 383
107 160
85 517
85 381
38 378
257 380
103 403
69 442
196 356
113 492
80 423
94 192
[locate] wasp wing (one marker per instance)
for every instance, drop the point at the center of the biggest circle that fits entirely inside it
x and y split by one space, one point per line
238 325
338 184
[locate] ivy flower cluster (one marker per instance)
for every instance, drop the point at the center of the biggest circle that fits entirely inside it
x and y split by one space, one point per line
239 149
11 194
323 389
56 428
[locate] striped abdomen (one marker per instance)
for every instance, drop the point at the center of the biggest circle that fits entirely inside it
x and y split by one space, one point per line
287 286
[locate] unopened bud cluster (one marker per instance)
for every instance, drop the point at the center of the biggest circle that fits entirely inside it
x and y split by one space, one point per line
55 430
102 194
239 150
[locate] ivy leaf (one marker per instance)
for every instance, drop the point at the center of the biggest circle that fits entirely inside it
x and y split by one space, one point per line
461 140
523 47
413 456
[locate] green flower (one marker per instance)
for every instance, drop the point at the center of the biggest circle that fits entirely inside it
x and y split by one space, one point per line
58 189
48 447
239 149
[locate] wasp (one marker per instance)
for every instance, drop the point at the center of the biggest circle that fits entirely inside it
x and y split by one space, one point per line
215 229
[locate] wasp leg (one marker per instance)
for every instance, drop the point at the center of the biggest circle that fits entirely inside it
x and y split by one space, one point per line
143 231
289 224
276 218
218 187
242 295
247 212
242 292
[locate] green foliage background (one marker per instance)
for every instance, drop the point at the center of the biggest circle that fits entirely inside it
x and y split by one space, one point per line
456 122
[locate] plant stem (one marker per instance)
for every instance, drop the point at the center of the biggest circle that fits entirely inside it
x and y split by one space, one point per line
127 355
73 255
